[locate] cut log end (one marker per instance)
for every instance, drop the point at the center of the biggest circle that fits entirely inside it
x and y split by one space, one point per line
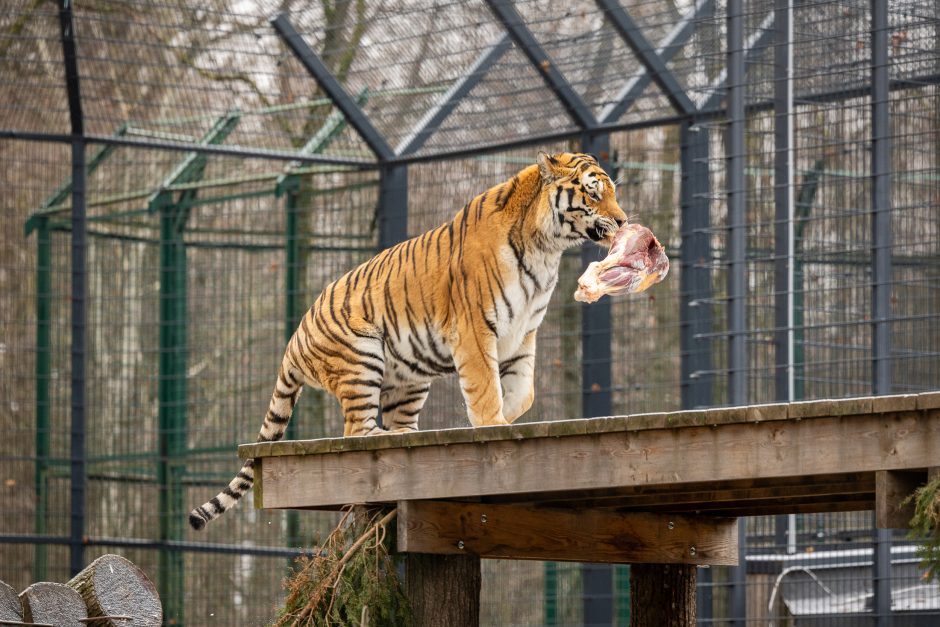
113 586
10 607
53 604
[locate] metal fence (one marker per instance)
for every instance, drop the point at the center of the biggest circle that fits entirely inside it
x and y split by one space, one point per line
180 179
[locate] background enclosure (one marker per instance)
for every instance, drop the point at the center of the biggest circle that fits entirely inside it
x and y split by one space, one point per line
176 188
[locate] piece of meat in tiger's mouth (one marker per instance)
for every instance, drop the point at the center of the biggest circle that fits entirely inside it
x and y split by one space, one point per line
635 261
642 265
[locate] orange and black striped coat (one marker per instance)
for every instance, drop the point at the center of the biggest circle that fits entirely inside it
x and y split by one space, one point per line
465 298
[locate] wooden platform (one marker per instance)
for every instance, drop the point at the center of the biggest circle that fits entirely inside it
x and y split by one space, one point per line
830 455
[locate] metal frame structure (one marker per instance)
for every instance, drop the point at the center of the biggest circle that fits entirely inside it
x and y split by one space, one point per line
697 358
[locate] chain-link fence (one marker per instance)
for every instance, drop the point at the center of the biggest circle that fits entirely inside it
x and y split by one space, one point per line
179 181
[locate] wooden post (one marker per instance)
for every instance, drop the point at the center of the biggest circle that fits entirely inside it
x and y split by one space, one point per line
444 589
892 489
662 595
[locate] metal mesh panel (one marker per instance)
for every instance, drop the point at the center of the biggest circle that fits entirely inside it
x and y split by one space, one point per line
200 263
31 63
36 445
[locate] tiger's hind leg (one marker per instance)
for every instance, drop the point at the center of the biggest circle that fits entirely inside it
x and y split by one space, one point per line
360 403
359 387
401 406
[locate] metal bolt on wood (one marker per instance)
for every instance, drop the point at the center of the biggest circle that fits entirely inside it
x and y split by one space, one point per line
671 525
483 518
460 544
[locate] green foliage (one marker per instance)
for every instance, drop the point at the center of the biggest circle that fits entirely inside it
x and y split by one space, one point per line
925 524
351 581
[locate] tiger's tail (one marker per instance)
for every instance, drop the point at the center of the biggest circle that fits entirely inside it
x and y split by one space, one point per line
286 392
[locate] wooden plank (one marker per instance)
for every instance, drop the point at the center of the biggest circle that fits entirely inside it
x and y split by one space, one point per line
596 461
869 406
892 489
257 487
928 400
587 535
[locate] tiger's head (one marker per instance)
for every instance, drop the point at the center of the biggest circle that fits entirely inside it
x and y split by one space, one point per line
581 198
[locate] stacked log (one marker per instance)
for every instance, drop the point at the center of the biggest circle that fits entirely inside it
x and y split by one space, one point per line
109 592
116 590
47 603
10 607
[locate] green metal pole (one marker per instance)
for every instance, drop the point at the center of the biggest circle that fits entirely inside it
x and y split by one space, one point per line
292 295
804 205
292 310
622 592
172 402
551 593
289 185
173 353
43 374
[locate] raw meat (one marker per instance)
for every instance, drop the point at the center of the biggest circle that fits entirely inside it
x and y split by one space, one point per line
636 260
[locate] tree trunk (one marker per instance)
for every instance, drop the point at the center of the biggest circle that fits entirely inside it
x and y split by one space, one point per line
662 595
444 589
113 586
10 607
53 604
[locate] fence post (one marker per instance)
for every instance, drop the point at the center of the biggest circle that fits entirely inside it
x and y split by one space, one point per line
293 305
78 471
43 375
172 389
784 216
172 399
292 270
596 338
695 281
736 157
695 294
881 271
392 214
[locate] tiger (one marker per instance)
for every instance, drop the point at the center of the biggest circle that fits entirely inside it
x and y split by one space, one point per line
466 298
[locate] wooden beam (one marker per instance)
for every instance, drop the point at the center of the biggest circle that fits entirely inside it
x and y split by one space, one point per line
709 496
520 532
668 458
892 488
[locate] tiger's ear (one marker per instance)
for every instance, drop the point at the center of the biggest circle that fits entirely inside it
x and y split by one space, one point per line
548 168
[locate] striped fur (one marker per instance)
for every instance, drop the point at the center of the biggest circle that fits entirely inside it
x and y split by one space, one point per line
465 298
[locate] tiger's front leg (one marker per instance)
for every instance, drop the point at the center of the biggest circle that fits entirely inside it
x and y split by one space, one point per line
517 377
478 371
